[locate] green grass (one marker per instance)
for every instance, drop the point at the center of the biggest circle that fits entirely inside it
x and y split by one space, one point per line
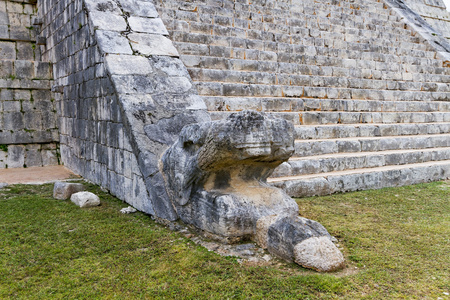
396 243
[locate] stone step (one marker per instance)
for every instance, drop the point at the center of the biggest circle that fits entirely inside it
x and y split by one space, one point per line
365 69
332 80
291 91
362 179
296 48
304 148
208 19
307 132
192 45
343 117
282 104
351 161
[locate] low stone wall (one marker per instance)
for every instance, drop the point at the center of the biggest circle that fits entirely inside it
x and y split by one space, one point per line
28 155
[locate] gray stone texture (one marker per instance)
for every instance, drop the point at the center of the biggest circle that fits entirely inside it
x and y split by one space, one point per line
304 241
366 100
215 173
27 109
85 199
64 190
113 95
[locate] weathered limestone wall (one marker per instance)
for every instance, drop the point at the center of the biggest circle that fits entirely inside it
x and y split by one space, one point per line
125 95
28 129
93 143
434 12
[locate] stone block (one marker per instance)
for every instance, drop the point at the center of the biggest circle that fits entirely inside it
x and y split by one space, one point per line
113 42
16 156
49 157
128 64
139 8
13 121
85 199
25 51
147 25
33 156
4 32
152 44
106 6
7 50
107 21
64 190
24 69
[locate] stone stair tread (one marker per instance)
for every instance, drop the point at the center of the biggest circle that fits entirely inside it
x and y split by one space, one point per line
369 124
366 138
357 171
368 153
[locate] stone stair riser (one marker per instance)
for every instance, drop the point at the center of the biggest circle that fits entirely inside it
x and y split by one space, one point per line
321 118
311 148
363 181
316 165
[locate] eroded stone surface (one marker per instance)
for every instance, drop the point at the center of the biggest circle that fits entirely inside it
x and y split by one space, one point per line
216 177
262 228
319 253
216 173
85 199
286 233
64 190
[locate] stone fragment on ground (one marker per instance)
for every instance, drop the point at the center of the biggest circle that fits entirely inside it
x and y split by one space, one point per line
301 240
64 190
85 199
128 210
3 184
318 253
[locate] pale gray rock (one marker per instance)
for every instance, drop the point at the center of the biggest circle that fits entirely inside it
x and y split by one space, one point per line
152 44
262 228
128 210
319 253
113 42
85 199
304 241
128 64
147 25
3 185
63 190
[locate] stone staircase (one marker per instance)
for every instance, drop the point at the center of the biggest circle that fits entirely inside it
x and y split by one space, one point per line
369 98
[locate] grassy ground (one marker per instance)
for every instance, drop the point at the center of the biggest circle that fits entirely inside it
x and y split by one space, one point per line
396 243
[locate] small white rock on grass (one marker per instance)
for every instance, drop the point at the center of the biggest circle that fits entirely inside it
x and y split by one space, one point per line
128 210
85 199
